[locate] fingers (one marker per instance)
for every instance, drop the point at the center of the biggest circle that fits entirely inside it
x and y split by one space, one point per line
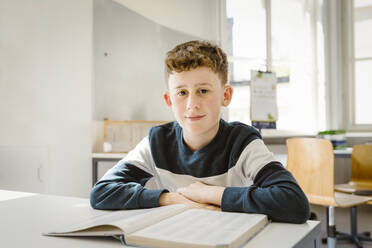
193 204
196 191
212 207
195 185
181 190
185 192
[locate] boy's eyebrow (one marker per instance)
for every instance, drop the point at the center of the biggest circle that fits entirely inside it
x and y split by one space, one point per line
199 84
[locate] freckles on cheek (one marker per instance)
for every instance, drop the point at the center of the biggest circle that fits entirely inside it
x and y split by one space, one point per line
212 103
176 106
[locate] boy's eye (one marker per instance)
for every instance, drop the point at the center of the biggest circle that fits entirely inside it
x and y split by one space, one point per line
182 93
203 91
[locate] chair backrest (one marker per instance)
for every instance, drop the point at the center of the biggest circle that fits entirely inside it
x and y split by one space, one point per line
361 159
311 161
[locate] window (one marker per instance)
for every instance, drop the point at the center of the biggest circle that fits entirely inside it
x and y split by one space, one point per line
360 62
281 36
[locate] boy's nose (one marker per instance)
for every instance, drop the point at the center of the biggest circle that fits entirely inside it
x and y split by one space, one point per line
193 102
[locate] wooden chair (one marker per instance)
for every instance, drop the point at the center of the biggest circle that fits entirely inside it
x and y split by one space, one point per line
311 161
361 174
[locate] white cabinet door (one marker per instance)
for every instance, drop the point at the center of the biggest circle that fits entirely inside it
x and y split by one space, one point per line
24 168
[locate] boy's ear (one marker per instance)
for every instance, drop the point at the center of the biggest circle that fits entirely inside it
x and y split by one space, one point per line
167 99
227 95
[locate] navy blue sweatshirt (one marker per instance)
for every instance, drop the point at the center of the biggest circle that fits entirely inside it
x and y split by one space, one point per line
236 158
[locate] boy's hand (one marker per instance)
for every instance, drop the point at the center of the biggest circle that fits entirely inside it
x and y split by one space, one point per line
176 198
203 193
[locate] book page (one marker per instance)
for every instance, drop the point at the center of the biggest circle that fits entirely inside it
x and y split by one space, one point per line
102 219
155 215
195 227
120 221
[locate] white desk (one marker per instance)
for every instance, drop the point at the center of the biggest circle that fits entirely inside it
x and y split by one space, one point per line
24 216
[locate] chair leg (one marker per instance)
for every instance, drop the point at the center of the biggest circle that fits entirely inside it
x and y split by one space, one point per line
331 227
342 236
354 227
364 238
353 237
333 235
368 234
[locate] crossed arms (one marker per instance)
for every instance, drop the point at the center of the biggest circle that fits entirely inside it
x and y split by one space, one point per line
196 195
274 193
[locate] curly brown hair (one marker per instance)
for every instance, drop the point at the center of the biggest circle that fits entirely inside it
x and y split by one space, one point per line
193 54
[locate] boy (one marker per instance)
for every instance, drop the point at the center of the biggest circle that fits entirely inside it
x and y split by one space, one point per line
200 160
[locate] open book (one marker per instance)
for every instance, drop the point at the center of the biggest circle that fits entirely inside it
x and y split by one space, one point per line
171 226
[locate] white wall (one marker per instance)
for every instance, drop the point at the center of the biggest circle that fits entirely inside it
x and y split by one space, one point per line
194 17
45 95
129 52
46 102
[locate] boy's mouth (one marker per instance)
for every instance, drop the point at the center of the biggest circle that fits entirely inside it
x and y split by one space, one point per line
195 117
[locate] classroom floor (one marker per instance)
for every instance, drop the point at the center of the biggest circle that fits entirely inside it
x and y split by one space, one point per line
342 219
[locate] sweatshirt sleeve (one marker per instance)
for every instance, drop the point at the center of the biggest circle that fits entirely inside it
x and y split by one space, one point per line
122 187
274 192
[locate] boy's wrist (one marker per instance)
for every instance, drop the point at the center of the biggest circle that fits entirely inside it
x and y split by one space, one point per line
169 198
214 195
165 199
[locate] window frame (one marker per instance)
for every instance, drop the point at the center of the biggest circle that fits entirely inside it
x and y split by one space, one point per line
268 59
267 4
349 68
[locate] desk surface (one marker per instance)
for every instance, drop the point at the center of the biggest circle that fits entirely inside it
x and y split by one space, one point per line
24 216
109 155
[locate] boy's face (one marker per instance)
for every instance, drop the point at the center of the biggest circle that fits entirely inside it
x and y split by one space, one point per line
196 97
